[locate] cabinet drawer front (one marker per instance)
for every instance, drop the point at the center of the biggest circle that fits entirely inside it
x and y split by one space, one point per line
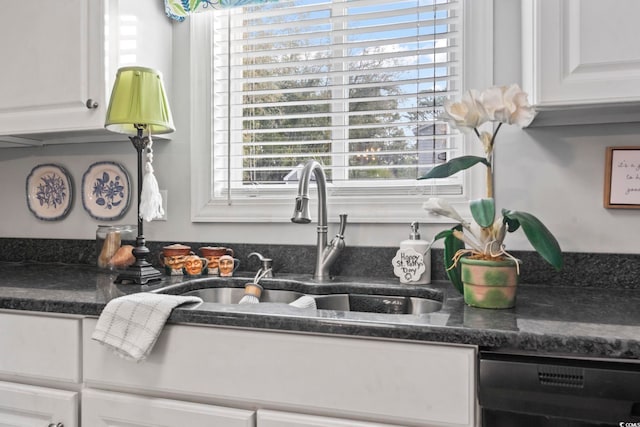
106 409
383 381
42 347
25 405
268 418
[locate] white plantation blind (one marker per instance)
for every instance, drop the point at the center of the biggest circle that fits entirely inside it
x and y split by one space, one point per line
357 85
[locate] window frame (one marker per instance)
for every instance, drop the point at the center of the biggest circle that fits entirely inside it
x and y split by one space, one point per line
477 51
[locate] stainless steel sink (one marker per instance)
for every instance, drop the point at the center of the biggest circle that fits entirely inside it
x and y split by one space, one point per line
382 298
386 304
233 295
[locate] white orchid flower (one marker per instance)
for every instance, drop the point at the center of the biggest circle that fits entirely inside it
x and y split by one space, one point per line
440 206
494 105
467 114
522 114
507 104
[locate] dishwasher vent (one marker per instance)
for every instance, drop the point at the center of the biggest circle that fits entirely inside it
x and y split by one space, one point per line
561 376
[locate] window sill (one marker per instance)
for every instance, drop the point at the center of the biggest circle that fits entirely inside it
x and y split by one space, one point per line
363 210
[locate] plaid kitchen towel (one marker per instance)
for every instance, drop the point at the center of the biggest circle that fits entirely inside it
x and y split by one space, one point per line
131 324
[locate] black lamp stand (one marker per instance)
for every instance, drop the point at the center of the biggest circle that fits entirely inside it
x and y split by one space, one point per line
141 271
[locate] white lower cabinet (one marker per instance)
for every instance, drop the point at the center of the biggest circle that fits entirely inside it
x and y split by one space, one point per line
42 347
361 381
108 409
267 418
39 349
53 374
31 406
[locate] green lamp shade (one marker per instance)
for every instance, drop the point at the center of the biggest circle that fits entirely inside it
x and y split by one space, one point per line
138 98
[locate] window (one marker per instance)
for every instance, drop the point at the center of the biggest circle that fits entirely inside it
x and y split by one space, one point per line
355 84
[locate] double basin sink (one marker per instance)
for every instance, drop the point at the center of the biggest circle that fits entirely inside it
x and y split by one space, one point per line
353 296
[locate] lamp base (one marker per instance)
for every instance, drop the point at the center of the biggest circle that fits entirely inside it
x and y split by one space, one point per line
140 272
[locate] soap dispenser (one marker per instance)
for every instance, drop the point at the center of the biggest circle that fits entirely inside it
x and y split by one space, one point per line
412 263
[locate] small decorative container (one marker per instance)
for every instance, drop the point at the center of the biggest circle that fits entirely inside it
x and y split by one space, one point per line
489 284
213 254
173 257
114 245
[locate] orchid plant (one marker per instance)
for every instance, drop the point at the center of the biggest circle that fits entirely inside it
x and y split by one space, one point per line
498 105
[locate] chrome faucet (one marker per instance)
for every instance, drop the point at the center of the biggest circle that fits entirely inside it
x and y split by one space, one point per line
266 269
325 254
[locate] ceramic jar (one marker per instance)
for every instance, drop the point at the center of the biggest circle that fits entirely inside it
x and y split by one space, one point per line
227 265
213 254
194 265
173 258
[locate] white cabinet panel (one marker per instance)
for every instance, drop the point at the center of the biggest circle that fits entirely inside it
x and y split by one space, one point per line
267 418
59 69
107 409
580 55
30 406
407 383
40 347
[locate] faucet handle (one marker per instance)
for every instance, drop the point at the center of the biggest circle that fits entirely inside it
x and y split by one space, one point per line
343 225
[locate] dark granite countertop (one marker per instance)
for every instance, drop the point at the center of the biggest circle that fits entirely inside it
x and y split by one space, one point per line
577 321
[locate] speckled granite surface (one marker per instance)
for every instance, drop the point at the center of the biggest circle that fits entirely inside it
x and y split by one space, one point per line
579 321
619 271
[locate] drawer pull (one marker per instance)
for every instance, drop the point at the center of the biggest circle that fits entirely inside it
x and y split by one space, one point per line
91 104
55 425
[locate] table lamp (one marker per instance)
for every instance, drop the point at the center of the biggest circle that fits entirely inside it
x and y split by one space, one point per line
139 105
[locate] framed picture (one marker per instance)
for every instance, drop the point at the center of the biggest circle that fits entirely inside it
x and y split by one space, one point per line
622 178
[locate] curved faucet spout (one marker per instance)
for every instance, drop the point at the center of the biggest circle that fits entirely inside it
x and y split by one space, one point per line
301 214
301 209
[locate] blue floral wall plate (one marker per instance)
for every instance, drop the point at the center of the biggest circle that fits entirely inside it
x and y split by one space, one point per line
49 192
106 191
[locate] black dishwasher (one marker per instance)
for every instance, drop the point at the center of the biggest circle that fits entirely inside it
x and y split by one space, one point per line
524 390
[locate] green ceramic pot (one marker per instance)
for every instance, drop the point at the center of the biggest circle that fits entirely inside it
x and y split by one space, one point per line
489 284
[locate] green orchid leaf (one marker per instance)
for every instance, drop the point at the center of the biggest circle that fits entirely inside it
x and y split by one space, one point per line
483 211
454 166
539 236
451 246
443 234
512 224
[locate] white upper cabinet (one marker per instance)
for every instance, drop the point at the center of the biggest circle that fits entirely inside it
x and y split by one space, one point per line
60 61
581 60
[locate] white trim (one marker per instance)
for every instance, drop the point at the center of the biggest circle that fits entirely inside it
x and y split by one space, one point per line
478 57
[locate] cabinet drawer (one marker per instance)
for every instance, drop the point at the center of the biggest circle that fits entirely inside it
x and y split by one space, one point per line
26 405
41 347
391 382
105 409
268 418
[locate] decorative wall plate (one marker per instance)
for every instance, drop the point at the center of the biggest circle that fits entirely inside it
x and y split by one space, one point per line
49 192
106 191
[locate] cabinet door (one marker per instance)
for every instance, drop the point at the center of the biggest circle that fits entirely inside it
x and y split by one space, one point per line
27 406
107 409
58 71
42 347
581 52
268 418
406 383
53 63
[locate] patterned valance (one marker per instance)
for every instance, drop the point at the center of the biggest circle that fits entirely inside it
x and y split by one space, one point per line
180 9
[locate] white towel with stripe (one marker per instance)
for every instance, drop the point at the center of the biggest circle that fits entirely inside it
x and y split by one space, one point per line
131 324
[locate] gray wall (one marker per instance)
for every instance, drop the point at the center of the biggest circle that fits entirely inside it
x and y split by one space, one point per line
556 173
